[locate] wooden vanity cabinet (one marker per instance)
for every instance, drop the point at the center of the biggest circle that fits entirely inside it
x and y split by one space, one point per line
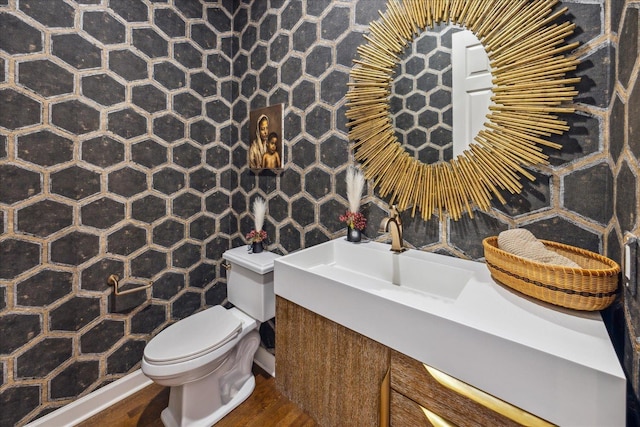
341 378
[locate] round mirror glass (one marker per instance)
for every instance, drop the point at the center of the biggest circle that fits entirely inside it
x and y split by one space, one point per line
432 80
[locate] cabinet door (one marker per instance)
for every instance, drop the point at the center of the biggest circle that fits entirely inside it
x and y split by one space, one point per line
329 371
458 402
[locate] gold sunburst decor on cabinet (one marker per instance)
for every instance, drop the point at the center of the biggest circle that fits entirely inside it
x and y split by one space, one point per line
529 59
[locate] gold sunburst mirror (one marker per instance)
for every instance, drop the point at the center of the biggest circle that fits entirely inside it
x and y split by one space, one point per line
529 64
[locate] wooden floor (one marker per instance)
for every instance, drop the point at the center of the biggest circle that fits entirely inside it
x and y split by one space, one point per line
265 407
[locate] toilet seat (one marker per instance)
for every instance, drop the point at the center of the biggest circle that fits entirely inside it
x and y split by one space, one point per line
185 340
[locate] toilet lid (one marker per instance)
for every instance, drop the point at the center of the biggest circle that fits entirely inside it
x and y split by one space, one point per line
193 336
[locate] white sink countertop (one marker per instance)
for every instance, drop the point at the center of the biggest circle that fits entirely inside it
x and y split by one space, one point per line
447 312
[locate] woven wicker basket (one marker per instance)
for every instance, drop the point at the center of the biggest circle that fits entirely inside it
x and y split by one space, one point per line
592 287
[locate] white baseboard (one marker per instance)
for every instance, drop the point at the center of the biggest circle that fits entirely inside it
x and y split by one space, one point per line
266 361
91 404
99 400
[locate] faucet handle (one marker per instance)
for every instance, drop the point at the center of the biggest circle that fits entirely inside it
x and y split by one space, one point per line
393 213
393 224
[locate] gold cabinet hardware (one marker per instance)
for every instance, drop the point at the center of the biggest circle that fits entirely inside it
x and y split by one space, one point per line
114 280
500 406
385 400
435 419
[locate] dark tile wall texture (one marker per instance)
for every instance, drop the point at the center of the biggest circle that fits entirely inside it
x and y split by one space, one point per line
123 146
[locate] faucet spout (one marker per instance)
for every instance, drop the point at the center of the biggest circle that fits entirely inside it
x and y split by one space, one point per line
393 224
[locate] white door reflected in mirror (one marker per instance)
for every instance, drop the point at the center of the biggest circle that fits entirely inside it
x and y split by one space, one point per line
471 92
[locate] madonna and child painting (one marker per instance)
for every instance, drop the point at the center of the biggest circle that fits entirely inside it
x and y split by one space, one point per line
266 149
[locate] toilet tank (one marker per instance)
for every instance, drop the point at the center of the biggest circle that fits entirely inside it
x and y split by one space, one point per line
250 282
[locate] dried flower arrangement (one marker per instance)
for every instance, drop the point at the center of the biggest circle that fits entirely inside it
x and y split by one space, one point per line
259 209
355 184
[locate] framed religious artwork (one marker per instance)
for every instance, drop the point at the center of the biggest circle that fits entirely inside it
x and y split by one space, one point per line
266 148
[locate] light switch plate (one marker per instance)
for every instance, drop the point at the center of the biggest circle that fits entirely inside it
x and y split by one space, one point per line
630 264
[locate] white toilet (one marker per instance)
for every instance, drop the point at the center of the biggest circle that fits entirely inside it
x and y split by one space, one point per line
207 358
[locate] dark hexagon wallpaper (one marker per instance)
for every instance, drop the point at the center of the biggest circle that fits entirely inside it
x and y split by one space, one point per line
123 146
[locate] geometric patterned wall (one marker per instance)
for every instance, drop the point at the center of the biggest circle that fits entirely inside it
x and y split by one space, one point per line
300 54
114 123
624 148
125 150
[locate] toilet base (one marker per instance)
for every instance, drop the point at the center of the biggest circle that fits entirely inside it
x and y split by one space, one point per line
245 391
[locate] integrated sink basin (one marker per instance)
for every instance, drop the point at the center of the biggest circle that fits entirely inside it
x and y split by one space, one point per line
374 267
448 313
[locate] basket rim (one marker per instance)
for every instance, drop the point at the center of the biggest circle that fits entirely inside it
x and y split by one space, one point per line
492 243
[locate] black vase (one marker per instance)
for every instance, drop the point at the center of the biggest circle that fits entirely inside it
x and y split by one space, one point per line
354 235
257 247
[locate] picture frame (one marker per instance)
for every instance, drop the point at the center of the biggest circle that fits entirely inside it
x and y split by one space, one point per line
266 146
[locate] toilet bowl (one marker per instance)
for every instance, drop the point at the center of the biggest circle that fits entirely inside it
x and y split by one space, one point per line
207 358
